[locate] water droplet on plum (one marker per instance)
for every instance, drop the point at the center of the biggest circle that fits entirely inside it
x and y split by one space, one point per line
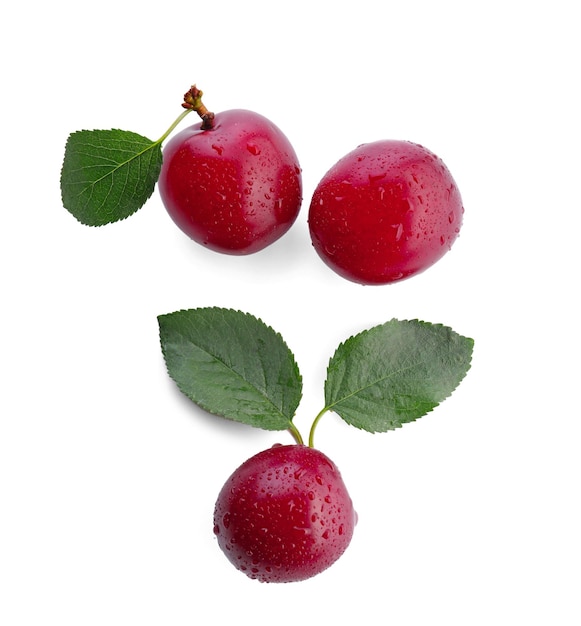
398 231
253 148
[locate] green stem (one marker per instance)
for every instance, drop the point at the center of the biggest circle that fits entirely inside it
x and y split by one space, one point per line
294 431
314 426
171 128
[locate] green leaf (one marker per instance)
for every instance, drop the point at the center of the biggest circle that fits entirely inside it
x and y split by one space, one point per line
395 373
233 365
107 175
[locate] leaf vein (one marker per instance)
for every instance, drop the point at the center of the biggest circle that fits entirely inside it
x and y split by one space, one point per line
381 379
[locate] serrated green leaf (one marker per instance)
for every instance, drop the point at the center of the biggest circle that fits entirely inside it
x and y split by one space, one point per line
395 373
107 175
233 365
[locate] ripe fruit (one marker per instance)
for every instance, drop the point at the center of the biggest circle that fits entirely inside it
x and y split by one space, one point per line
284 515
231 182
385 212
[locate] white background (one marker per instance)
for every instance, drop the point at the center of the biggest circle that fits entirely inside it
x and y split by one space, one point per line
108 476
